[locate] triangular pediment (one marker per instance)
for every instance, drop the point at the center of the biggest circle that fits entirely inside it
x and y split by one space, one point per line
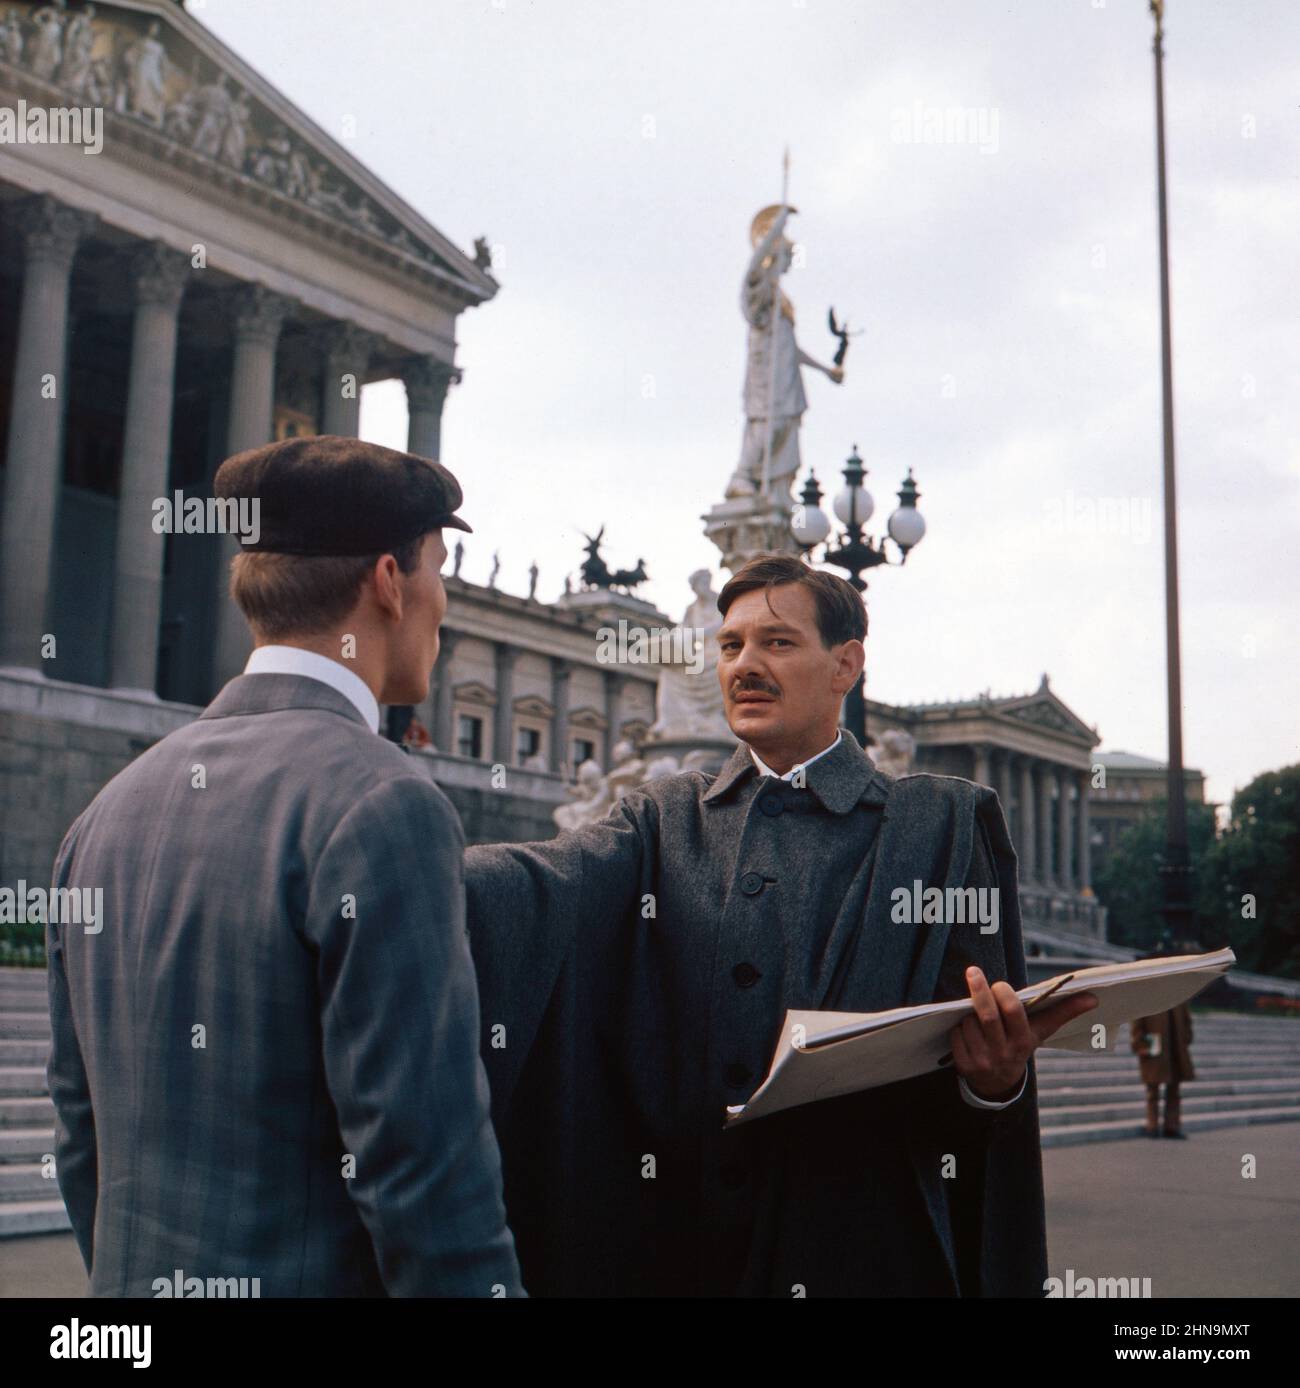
1044 710
165 82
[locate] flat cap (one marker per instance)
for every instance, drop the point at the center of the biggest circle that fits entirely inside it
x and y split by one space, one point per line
331 495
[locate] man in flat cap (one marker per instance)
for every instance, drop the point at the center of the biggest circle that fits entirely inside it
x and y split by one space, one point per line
265 1064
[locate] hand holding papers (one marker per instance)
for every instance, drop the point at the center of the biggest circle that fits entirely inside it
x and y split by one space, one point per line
822 1055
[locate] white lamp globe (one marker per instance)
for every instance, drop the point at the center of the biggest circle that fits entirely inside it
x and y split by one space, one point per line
845 501
809 525
907 526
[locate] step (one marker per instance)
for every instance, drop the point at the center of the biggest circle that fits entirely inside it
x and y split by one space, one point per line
19 1026
32 1051
33 1217
25 1144
1071 1114
26 1181
29 1112
22 1081
1113 1079
1204 1122
1056 1096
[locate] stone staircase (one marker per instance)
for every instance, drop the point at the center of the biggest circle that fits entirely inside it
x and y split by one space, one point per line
1248 1071
29 1202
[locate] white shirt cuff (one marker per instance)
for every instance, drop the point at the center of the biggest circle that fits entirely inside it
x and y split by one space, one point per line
975 1101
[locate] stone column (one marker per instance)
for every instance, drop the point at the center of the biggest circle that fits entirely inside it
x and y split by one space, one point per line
1028 845
258 317
561 672
51 233
443 730
347 350
427 380
1065 832
981 776
1045 872
613 715
1083 826
503 750
1004 782
159 275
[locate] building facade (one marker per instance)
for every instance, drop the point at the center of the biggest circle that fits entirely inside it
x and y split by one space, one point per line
1128 788
219 272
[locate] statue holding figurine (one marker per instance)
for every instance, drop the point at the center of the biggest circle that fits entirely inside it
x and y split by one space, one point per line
774 395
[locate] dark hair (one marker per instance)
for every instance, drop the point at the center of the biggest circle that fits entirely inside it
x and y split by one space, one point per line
841 615
283 595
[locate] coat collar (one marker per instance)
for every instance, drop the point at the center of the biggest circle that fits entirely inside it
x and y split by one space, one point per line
844 777
267 693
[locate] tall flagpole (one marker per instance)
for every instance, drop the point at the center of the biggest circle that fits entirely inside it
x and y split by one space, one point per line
1175 870
776 309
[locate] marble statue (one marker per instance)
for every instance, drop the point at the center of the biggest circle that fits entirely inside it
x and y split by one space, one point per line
774 396
234 144
144 64
897 749
591 799
496 569
689 704
47 41
628 773
534 573
78 40
11 37
214 104
458 558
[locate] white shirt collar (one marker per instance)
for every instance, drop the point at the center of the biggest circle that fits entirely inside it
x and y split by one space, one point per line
765 770
293 660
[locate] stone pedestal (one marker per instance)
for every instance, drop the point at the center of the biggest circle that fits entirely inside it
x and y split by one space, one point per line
749 525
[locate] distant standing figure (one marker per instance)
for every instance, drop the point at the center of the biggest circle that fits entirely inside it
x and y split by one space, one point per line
1163 1045
533 575
460 557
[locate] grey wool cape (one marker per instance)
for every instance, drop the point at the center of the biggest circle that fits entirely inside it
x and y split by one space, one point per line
633 979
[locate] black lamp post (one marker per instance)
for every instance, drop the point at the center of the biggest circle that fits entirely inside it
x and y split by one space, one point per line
1175 869
856 552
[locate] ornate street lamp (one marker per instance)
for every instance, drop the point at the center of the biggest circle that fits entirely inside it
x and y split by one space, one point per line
856 552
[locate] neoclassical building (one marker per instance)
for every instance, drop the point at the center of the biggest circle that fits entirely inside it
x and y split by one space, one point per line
1038 755
220 272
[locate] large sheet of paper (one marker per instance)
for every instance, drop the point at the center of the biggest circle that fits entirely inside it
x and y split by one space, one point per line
822 1055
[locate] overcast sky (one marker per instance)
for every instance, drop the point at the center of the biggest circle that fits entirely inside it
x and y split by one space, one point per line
614 153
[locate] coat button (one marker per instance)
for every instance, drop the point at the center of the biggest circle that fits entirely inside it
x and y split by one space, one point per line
771 805
746 975
732 1175
751 883
737 1074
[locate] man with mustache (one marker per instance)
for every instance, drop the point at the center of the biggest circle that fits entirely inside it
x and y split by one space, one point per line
634 976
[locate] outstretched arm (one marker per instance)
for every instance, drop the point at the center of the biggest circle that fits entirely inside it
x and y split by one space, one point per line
834 373
530 904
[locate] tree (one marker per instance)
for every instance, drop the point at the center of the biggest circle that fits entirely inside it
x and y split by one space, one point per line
1129 884
1255 866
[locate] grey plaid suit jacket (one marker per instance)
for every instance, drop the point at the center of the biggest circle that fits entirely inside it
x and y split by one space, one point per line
266 1063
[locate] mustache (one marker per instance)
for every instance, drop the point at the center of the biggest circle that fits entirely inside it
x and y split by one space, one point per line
751 684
